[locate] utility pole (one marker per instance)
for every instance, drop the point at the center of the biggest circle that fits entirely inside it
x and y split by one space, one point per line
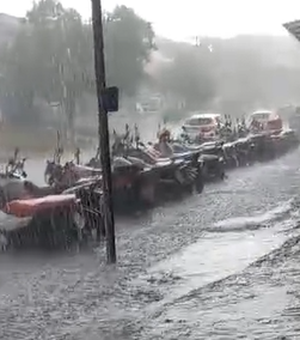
103 132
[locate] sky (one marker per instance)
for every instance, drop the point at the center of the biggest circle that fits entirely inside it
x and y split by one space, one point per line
184 20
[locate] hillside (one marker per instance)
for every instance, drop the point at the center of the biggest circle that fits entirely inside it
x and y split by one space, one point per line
8 27
283 50
246 70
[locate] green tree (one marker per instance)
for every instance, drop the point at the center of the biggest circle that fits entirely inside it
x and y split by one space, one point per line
52 56
46 59
17 84
59 44
129 41
189 79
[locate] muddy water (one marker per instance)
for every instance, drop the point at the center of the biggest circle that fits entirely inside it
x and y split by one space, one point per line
221 265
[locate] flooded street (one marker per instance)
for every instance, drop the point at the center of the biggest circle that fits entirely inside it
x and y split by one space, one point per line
88 78
220 265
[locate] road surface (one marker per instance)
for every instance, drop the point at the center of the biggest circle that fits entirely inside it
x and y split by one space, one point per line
220 265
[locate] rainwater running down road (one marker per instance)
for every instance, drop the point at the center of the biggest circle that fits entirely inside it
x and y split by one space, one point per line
220 265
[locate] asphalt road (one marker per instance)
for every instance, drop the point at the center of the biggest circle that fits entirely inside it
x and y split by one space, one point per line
214 266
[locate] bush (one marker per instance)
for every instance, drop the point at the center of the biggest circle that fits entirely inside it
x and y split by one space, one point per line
173 115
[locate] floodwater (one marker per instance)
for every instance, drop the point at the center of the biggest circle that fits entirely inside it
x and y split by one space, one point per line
221 265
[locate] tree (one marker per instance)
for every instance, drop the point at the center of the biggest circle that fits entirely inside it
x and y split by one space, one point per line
189 79
46 60
129 41
17 85
58 37
52 56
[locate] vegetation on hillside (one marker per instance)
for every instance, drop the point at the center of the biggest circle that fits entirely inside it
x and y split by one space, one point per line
49 58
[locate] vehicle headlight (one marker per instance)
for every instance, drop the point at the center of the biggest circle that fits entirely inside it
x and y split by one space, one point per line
79 220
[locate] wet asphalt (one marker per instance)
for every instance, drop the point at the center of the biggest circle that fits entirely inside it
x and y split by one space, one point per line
220 265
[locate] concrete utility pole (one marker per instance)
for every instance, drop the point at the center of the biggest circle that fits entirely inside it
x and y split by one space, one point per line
103 131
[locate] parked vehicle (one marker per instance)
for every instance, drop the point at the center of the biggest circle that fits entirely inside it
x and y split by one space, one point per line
265 120
203 125
70 207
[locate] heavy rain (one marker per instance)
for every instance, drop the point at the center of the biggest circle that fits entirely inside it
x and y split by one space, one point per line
166 135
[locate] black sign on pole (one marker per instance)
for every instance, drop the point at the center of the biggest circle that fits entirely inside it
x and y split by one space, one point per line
110 99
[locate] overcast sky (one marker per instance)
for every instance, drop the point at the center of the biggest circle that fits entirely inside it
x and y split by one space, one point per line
182 20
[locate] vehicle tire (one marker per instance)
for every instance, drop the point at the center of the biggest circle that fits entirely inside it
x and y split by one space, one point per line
79 225
199 183
223 175
4 243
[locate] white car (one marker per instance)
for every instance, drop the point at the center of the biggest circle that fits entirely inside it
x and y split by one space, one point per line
204 124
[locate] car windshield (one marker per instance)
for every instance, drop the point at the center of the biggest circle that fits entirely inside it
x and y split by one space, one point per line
261 116
199 121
